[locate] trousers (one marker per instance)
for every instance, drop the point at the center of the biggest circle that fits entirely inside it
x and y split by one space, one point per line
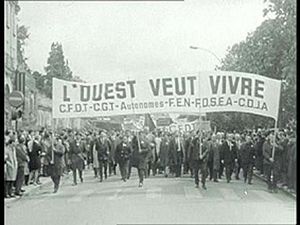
20 179
103 164
124 169
202 167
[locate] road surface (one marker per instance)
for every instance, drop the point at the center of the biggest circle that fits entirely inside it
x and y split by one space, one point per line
160 201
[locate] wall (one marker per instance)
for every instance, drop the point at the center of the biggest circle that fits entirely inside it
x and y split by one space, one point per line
10 19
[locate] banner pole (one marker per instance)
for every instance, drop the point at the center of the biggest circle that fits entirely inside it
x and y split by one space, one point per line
273 149
138 139
276 123
52 151
200 119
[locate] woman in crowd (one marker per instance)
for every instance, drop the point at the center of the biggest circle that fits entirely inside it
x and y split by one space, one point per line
22 159
11 166
35 161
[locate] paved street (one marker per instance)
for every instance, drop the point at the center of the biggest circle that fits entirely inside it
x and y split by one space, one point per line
161 200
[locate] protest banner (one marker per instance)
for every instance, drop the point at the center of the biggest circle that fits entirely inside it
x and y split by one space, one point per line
214 91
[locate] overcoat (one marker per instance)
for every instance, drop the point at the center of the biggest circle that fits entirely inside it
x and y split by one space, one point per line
11 163
34 155
164 152
228 153
247 153
215 148
76 156
57 167
141 157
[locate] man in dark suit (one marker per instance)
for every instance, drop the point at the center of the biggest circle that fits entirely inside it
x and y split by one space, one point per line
199 156
141 149
57 162
76 156
122 157
247 159
102 147
187 155
177 149
228 155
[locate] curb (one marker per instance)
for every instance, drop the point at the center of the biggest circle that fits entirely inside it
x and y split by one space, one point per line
27 192
255 173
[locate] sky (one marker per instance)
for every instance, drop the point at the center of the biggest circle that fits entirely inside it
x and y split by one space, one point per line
124 39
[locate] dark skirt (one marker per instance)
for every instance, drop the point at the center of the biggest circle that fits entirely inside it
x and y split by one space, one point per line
34 163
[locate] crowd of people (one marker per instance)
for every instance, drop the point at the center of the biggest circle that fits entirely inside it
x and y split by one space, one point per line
215 156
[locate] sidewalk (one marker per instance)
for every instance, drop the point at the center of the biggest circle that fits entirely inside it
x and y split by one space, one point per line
45 181
283 188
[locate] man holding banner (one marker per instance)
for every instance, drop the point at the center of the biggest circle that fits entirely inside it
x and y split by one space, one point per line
272 161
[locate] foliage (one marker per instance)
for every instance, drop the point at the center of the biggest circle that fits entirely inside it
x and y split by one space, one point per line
56 67
39 80
269 51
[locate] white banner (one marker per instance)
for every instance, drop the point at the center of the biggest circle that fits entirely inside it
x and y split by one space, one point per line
204 92
187 126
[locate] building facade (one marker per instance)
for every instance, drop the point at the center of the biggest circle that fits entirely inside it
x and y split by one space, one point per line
10 19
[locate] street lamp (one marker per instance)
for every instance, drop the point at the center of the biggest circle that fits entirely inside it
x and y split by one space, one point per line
206 50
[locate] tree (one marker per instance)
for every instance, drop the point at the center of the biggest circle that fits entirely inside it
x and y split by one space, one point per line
56 67
269 51
39 80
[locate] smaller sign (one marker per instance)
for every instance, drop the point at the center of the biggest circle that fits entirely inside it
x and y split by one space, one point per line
162 122
203 126
16 98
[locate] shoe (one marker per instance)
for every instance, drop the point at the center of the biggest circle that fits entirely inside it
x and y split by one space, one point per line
166 175
81 180
74 184
12 195
38 183
228 181
55 190
140 184
204 187
250 183
237 178
216 181
22 190
101 180
197 186
18 194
